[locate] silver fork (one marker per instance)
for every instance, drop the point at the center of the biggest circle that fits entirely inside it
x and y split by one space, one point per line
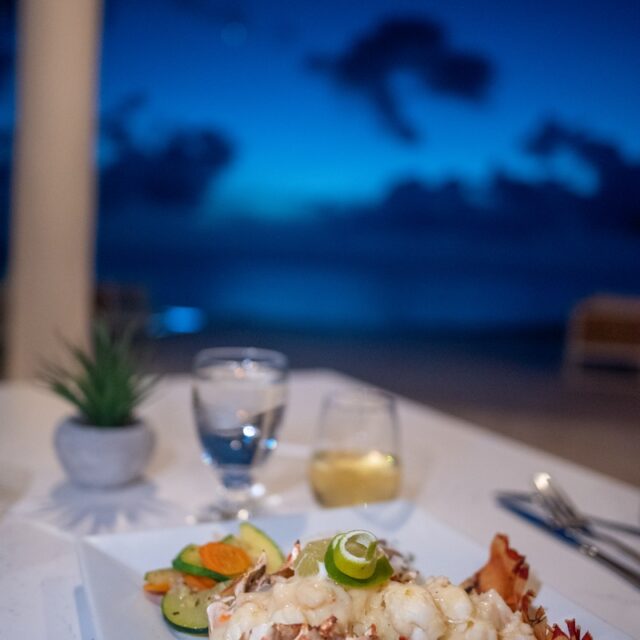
566 515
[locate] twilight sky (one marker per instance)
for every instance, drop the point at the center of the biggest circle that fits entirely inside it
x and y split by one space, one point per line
316 98
382 162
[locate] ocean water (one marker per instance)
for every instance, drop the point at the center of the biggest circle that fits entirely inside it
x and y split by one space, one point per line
382 281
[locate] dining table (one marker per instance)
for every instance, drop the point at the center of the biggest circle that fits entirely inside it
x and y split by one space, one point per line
452 469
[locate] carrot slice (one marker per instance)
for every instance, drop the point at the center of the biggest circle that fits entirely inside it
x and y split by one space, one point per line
158 587
198 583
224 558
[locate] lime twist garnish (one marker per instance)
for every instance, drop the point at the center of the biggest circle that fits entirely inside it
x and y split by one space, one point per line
354 559
354 554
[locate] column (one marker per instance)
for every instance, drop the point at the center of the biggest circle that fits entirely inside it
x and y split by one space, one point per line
51 255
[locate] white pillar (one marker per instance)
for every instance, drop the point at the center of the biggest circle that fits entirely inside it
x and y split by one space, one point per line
51 255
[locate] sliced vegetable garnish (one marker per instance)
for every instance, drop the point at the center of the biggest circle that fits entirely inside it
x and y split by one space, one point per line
189 561
231 539
198 583
255 541
186 611
159 588
224 558
161 580
382 569
199 573
355 554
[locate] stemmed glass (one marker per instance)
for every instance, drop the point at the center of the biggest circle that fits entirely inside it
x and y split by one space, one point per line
355 458
239 397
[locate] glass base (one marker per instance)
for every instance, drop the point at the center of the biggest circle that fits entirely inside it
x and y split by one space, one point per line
238 497
219 511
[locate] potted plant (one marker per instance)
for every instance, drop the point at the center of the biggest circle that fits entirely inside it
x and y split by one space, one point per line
104 444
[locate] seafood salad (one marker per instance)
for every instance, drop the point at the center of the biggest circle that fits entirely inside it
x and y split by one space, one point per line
353 587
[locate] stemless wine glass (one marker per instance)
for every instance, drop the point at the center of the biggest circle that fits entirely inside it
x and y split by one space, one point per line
239 397
355 458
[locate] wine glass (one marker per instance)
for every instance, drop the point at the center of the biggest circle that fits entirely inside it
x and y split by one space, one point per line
239 397
355 458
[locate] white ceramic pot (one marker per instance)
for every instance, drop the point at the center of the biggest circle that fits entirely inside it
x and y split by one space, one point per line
103 457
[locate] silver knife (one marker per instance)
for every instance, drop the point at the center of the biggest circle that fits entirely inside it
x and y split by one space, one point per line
518 506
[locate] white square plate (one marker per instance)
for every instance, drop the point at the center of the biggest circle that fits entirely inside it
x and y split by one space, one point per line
113 565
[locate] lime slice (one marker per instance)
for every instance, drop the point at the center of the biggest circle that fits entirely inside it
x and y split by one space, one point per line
354 554
310 558
382 572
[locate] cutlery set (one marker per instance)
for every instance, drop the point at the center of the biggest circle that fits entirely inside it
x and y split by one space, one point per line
550 509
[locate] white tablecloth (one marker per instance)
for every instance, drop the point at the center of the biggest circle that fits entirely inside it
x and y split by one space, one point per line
452 469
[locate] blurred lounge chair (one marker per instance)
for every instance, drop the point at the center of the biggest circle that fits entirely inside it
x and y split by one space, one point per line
603 342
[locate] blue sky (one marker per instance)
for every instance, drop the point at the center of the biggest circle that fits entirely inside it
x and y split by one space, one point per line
215 110
300 139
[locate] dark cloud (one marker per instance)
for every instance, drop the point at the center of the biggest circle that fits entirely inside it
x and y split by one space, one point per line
411 203
116 125
552 136
616 202
510 204
414 45
170 175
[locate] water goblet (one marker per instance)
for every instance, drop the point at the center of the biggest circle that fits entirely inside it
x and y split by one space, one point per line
239 397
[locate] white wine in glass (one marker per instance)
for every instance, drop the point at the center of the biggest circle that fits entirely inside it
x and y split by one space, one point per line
355 458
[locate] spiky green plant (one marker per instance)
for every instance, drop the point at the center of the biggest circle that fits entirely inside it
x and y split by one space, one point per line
104 384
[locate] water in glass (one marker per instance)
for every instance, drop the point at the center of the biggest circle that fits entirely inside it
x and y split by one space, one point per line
239 399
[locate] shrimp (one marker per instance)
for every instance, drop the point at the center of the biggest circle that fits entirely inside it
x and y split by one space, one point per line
301 601
507 573
316 608
402 610
495 604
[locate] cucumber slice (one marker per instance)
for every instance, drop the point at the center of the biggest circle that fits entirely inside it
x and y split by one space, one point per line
254 541
231 539
189 561
186 611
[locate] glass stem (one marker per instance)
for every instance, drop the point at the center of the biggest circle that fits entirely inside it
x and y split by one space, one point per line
236 479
